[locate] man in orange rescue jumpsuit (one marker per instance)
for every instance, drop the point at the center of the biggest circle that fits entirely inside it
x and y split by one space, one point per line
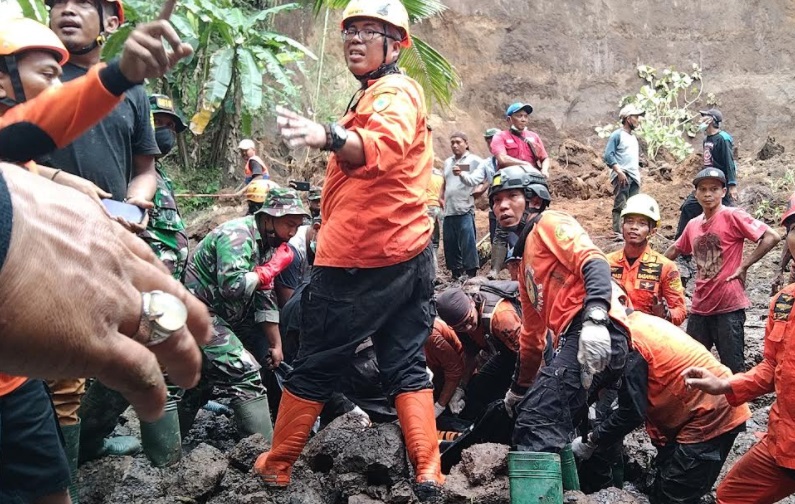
445 356
565 286
650 279
766 473
693 432
372 271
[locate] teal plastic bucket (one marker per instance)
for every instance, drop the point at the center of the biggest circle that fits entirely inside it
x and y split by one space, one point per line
535 478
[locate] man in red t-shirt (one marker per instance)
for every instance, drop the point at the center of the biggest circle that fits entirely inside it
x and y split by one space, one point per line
716 240
518 145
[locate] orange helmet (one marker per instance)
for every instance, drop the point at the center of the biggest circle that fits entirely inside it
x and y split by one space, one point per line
388 11
23 34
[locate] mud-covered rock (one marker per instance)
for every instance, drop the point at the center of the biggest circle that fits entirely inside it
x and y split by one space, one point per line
200 472
245 452
482 463
607 496
770 149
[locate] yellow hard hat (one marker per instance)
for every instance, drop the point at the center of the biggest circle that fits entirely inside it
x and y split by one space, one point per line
23 34
257 190
645 205
388 11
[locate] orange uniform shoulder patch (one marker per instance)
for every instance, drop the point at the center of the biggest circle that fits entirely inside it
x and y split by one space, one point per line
783 307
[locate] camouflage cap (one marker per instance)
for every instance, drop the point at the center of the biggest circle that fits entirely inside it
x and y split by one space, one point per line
314 193
282 201
162 104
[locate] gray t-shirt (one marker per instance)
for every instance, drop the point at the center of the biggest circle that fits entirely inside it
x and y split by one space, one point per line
622 149
458 198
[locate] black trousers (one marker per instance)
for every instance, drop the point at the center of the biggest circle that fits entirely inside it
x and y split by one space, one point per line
341 307
686 472
726 331
491 383
557 402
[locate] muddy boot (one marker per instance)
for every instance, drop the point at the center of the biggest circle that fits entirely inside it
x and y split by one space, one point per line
71 438
499 251
99 413
416 415
253 416
161 440
187 408
293 423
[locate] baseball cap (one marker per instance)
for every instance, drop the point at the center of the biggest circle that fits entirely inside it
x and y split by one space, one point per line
714 113
631 110
516 107
246 144
709 173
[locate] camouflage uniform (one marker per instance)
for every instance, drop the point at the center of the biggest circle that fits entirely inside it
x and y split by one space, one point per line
165 232
217 275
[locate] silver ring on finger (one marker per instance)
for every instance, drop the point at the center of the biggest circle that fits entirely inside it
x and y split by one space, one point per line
162 314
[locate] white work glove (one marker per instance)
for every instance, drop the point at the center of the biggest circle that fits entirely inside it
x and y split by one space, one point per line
437 409
582 450
511 399
430 374
457 403
594 351
361 416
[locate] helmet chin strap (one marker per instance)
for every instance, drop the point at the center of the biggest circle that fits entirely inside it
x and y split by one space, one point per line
384 69
16 82
99 41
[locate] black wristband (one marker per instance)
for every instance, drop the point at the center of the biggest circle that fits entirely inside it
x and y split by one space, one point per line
6 220
115 81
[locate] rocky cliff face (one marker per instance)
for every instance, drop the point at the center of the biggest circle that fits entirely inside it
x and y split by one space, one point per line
574 60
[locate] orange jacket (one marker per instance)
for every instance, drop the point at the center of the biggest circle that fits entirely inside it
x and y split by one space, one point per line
248 172
50 121
552 287
58 115
376 216
445 356
776 373
651 275
675 413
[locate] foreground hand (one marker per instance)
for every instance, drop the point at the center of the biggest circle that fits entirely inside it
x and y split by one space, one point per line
582 450
70 298
458 401
438 409
84 186
275 357
703 379
511 400
146 57
299 131
658 308
593 353
136 227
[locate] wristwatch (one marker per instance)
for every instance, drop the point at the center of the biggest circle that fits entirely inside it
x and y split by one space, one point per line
336 136
597 315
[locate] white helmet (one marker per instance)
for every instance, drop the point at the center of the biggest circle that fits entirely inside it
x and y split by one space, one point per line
246 144
645 205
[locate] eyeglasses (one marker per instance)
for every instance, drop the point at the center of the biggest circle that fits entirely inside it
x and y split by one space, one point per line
365 35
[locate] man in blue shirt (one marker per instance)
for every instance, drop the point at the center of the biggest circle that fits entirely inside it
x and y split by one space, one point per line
621 155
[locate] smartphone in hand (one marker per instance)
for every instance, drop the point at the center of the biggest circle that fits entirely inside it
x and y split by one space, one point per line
126 211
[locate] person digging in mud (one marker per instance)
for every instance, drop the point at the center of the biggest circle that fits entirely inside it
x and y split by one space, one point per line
565 287
376 263
233 271
716 239
488 323
693 432
38 116
622 155
650 279
766 473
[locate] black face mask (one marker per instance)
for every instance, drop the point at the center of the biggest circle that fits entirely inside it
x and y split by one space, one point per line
166 139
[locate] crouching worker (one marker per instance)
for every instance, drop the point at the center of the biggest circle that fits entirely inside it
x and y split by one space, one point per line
693 432
233 272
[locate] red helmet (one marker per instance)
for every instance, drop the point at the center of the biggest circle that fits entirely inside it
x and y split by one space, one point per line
789 211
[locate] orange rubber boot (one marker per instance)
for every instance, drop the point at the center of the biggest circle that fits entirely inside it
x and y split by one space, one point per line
293 423
417 420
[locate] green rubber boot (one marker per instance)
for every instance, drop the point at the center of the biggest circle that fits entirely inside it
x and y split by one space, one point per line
568 468
254 416
161 439
535 478
71 438
99 413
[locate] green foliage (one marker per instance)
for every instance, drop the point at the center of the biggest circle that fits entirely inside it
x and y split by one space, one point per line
667 98
34 9
421 62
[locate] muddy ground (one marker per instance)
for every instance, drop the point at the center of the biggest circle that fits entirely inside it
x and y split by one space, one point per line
348 464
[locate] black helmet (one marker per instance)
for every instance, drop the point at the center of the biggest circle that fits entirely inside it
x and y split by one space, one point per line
520 177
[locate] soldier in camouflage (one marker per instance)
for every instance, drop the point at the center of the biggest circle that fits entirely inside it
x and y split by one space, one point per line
233 271
165 232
